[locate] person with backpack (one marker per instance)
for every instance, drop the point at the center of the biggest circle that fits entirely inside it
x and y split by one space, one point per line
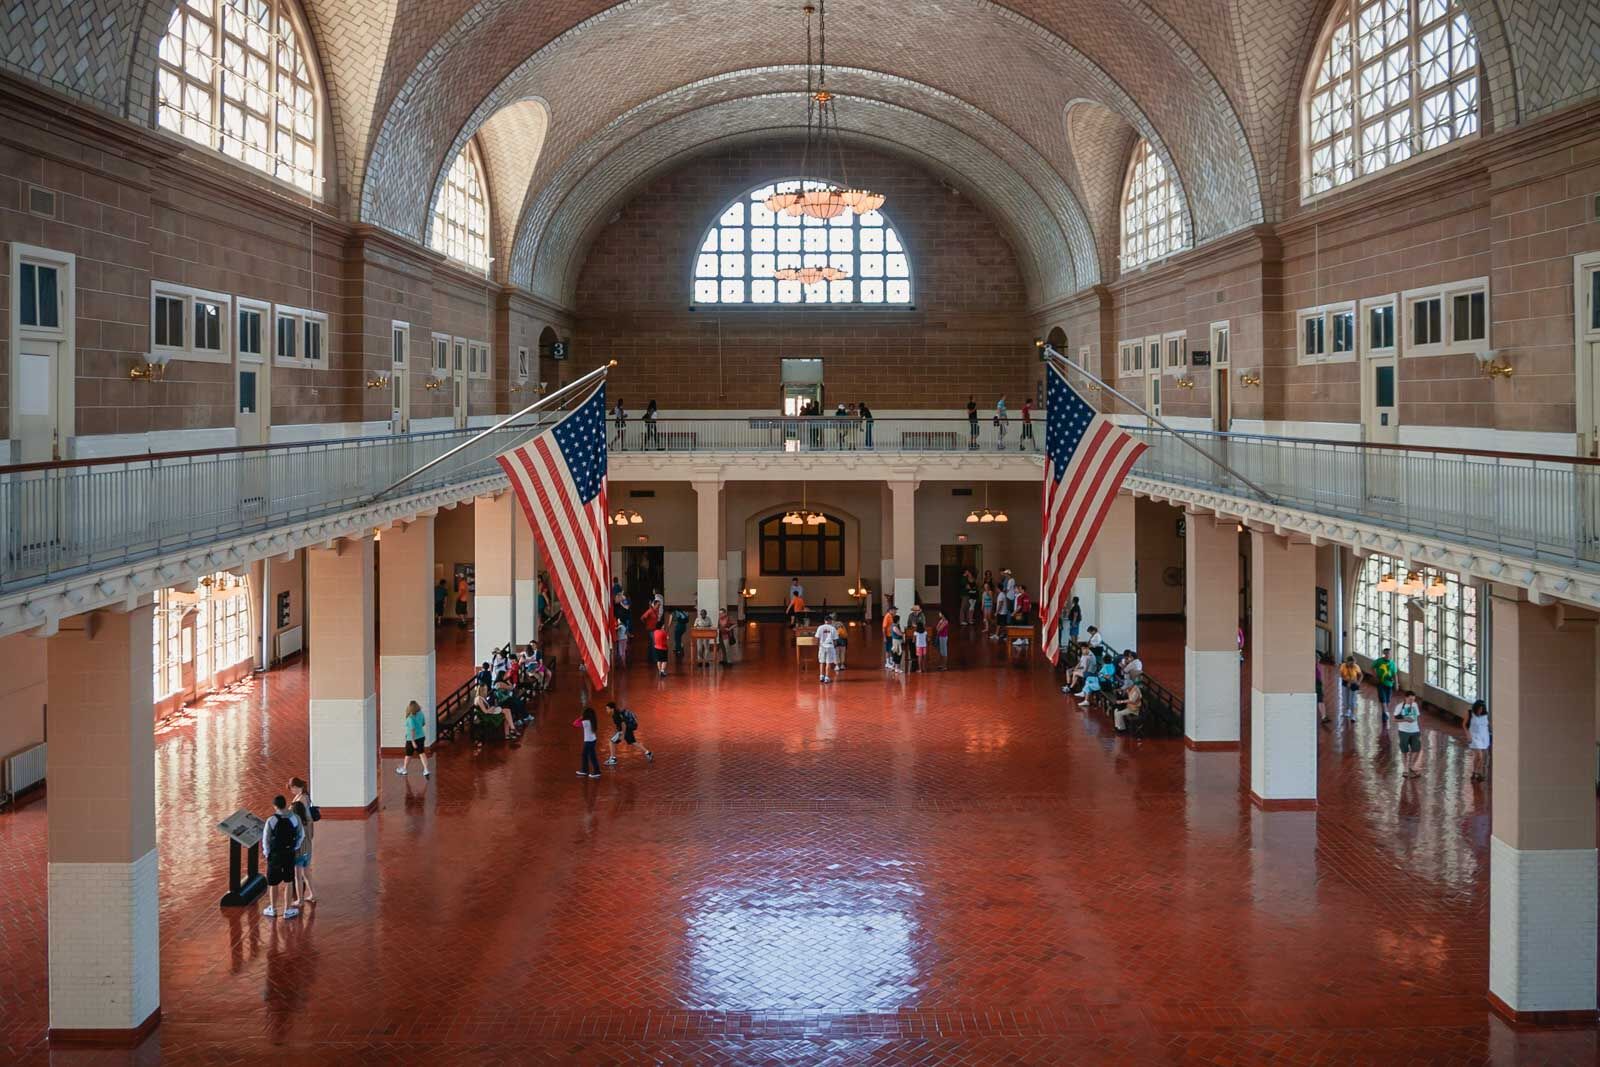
281 838
416 739
680 628
1383 672
301 808
627 727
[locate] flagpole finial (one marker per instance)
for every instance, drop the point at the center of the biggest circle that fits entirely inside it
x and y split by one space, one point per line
613 363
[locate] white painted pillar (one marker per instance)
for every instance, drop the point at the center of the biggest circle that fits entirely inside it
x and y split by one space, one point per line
525 579
491 574
708 545
344 707
1117 607
104 930
406 657
1542 885
1211 646
903 493
1283 652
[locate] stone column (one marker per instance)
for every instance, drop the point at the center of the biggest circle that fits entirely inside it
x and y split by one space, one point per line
525 579
406 664
903 494
491 574
1211 649
1283 650
344 708
1117 608
1542 886
708 545
1086 587
105 962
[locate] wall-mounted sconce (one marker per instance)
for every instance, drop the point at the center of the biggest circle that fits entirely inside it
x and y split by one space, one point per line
147 372
380 381
432 383
1184 383
1247 378
1499 370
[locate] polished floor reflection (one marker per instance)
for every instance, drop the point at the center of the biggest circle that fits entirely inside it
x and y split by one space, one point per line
955 866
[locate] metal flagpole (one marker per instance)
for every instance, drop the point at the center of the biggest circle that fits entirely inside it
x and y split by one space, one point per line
1067 364
543 401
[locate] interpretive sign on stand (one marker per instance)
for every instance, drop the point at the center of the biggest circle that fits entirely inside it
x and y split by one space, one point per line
244 839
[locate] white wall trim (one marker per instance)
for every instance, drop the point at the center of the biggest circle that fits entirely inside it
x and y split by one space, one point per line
97 446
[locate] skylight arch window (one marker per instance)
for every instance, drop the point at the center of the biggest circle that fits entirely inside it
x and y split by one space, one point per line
237 76
1393 79
1152 210
461 214
745 248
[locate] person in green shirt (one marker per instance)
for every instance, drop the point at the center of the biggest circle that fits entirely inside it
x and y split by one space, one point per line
1383 670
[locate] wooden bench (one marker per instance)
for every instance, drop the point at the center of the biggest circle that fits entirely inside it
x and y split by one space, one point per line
1019 653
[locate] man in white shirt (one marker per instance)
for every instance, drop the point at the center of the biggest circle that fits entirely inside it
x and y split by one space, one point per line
827 634
1095 640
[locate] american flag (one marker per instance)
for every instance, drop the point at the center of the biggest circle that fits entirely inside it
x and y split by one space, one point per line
1086 458
560 478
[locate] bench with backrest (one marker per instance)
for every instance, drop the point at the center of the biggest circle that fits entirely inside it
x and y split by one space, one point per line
1160 712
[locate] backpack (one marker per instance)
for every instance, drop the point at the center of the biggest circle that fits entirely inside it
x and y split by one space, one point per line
284 834
628 720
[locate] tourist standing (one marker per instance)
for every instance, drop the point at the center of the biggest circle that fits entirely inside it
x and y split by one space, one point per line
620 414
1349 687
941 633
590 768
441 594
827 634
969 597
920 643
463 594
652 438
1027 425
725 634
280 841
866 421
301 807
659 648
1002 422
1477 728
972 424
680 627
416 739
1408 717
1074 620
988 604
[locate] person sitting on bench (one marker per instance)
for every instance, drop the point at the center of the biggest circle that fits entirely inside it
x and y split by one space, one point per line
1129 706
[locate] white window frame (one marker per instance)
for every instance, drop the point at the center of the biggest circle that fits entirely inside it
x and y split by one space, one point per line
269 335
1175 360
300 317
479 361
1364 310
191 296
64 264
1446 294
1130 358
458 357
1221 350
401 330
1325 315
1155 353
440 357
522 365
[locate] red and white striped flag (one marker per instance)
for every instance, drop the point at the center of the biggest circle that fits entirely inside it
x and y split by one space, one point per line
560 478
1087 456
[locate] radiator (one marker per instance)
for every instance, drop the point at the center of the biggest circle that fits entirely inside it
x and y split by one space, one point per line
290 641
23 769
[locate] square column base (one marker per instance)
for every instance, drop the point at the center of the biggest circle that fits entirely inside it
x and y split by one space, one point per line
1211 698
344 753
402 679
491 625
1117 616
1283 750
105 951
1542 930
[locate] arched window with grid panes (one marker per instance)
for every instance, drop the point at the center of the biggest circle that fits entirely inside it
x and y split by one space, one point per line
239 76
1152 210
461 214
1393 80
747 245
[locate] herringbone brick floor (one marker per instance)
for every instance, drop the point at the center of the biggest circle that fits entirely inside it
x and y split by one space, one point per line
954 867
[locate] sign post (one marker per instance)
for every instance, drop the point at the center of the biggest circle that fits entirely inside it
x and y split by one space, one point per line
244 836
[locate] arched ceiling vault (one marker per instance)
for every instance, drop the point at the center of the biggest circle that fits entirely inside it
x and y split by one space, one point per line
511 142
560 225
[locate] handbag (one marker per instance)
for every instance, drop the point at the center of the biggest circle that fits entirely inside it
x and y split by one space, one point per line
316 813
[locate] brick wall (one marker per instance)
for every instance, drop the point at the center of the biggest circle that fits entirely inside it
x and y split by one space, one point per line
966 335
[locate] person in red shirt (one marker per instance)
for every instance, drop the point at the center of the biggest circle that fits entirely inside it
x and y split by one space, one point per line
1027 425
658 651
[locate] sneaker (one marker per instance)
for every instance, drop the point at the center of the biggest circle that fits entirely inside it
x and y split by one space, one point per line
291 913
594 776
270 912
583 774
612 762
399 770
426 773
649 755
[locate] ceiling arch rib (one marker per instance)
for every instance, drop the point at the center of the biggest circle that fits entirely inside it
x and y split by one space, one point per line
511 141
1061 204
999 62
574 218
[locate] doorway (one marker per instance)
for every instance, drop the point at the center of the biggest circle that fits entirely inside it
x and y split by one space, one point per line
1152 396
643 572
400 378
1221 391
802 386
43 298
458 381
953 559
1586 304
252 393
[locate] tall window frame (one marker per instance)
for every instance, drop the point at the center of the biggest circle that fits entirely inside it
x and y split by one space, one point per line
461 213
1152 210
1393 80
801 551
744 247
1449 635
240 77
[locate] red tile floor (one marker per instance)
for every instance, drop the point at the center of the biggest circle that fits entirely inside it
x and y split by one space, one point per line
950 867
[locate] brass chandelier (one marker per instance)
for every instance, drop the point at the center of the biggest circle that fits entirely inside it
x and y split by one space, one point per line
827 198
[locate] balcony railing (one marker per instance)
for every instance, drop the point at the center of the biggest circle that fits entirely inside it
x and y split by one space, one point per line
74 518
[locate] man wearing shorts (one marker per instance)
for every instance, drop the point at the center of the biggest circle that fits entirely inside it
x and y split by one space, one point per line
827 634
1408 723
281 838
627 731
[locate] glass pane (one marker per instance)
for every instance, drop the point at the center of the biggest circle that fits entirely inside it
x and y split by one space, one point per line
1594 300
207 325
30 290
1383 382
247 392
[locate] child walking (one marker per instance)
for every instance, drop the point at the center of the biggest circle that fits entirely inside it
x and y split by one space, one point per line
1477 727
416 739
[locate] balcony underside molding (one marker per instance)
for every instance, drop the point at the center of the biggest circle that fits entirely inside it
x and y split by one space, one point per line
858 466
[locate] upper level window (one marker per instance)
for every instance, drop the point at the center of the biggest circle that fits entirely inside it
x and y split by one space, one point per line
1395 78
461 214
1152 211
744 249
235 75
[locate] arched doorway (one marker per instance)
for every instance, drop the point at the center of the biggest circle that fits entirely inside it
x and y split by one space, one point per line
549 370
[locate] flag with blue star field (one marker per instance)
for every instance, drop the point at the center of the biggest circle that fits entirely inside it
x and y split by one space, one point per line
560 479
1087 456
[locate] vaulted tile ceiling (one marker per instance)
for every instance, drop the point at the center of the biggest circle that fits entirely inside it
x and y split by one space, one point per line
1030 107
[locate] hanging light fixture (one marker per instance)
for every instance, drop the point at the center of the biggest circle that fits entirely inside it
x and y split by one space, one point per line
1413 583
805 516
625 517
1387 583
1436 587
827 198
987 515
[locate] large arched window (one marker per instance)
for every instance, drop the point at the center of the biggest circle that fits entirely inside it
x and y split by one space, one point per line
236 76
1394 79
1444 629
1152 210
461 214
747 245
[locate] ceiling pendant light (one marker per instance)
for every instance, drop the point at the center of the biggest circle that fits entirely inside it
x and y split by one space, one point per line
1413 583
987 515
1436 587
1387 583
